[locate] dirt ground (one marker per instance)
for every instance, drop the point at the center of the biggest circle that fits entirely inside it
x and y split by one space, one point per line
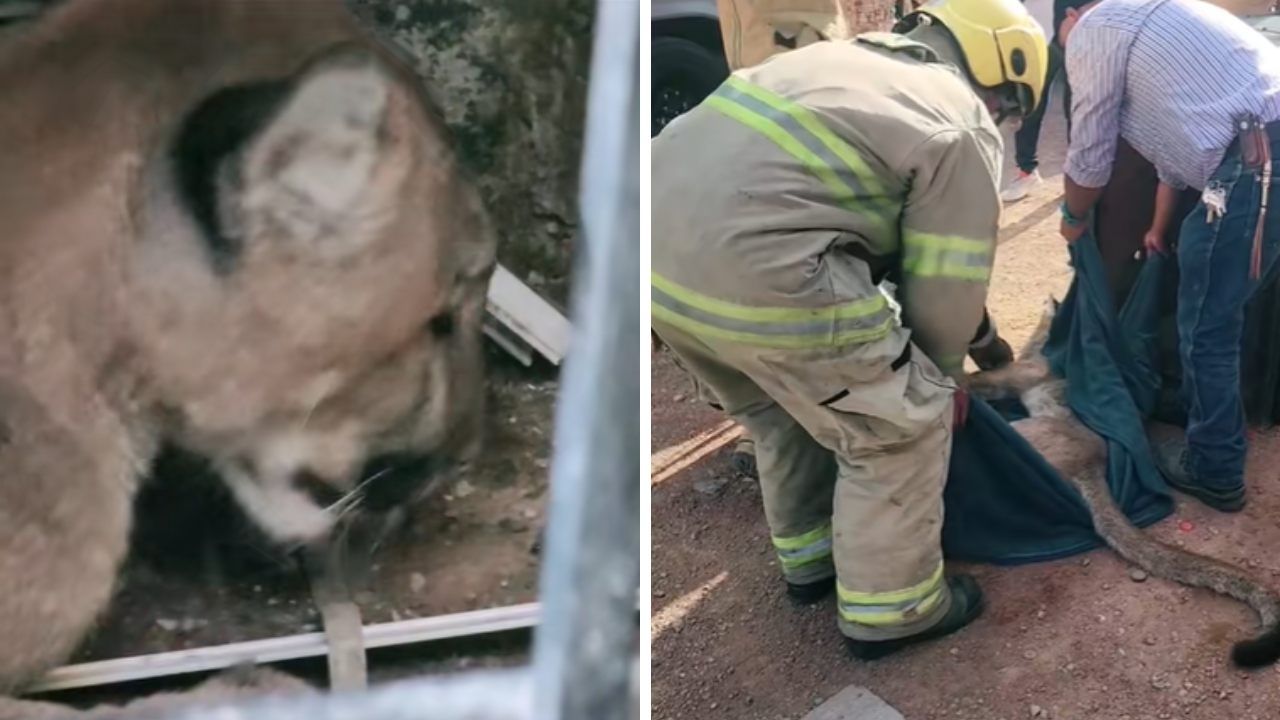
199 576
1075 638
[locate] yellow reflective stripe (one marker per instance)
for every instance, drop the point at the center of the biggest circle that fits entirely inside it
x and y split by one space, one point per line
953 256
791 342
799 541
844 194
881 618
807 145
949 362
863 320
801 550
864 308
809 121
915 592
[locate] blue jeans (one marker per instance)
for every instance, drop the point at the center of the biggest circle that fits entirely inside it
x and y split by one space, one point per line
1213 287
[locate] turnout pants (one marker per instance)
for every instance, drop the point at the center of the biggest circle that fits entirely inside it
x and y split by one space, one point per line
852 445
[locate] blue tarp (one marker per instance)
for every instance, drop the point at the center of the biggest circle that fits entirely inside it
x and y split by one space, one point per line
1004 503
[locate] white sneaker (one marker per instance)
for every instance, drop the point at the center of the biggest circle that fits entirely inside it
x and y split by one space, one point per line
1021 186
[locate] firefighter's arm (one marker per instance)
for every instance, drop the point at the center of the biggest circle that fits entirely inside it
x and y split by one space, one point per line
949 224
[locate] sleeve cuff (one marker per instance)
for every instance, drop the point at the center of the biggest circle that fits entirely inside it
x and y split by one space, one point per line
1095 177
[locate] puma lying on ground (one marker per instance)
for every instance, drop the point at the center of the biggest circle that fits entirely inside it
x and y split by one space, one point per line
238 227
1080 456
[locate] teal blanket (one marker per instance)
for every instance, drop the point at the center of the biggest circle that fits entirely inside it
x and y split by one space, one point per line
1004 503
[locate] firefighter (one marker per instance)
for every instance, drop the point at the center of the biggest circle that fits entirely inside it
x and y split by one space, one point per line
754 30
781 206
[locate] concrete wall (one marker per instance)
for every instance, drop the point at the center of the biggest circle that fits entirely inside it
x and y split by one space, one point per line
511 76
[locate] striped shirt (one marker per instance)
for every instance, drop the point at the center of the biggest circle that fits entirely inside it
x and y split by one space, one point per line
1170 76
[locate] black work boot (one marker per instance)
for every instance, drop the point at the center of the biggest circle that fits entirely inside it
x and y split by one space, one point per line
1171 458
810 593
966 604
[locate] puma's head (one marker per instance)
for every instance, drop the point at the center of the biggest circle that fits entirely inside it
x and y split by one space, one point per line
308 288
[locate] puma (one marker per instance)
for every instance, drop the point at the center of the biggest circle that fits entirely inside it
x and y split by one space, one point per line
1080 457
239 227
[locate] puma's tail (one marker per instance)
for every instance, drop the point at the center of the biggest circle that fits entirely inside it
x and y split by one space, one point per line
1185 567
1260 651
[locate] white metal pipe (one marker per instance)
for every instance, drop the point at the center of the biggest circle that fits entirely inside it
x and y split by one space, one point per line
290 647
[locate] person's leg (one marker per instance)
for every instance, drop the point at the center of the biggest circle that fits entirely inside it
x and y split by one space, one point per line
1213 286
797 475
884 409
1026 140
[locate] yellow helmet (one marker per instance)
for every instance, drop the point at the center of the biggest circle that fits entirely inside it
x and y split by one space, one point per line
1000 42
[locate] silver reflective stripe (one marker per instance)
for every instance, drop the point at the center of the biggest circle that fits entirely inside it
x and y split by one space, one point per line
813 551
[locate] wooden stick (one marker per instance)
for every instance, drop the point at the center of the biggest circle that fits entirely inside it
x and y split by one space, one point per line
291 647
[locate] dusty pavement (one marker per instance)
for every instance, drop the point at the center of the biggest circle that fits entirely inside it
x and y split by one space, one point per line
1075 638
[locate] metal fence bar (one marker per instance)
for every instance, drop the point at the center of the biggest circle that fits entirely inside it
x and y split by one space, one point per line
289 647
584 647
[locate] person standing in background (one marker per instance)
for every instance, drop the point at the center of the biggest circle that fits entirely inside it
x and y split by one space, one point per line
1026 140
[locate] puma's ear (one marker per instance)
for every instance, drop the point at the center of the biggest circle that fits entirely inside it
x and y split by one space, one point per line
322 173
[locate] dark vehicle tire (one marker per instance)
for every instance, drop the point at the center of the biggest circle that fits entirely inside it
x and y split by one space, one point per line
684 73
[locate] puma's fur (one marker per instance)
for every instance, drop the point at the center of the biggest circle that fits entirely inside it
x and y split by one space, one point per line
1080 457
233 225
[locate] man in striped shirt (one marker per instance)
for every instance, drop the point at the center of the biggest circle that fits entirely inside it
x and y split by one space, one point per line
1175 78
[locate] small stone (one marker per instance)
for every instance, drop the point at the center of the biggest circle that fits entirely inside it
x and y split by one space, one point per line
1106 586
417 581
1030 654
1085 562
659 593
463 489
1039 614
1137 575
402 13
678 397
529 513
511 525
1037 711
955 651
167 624
1148 640
710 486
